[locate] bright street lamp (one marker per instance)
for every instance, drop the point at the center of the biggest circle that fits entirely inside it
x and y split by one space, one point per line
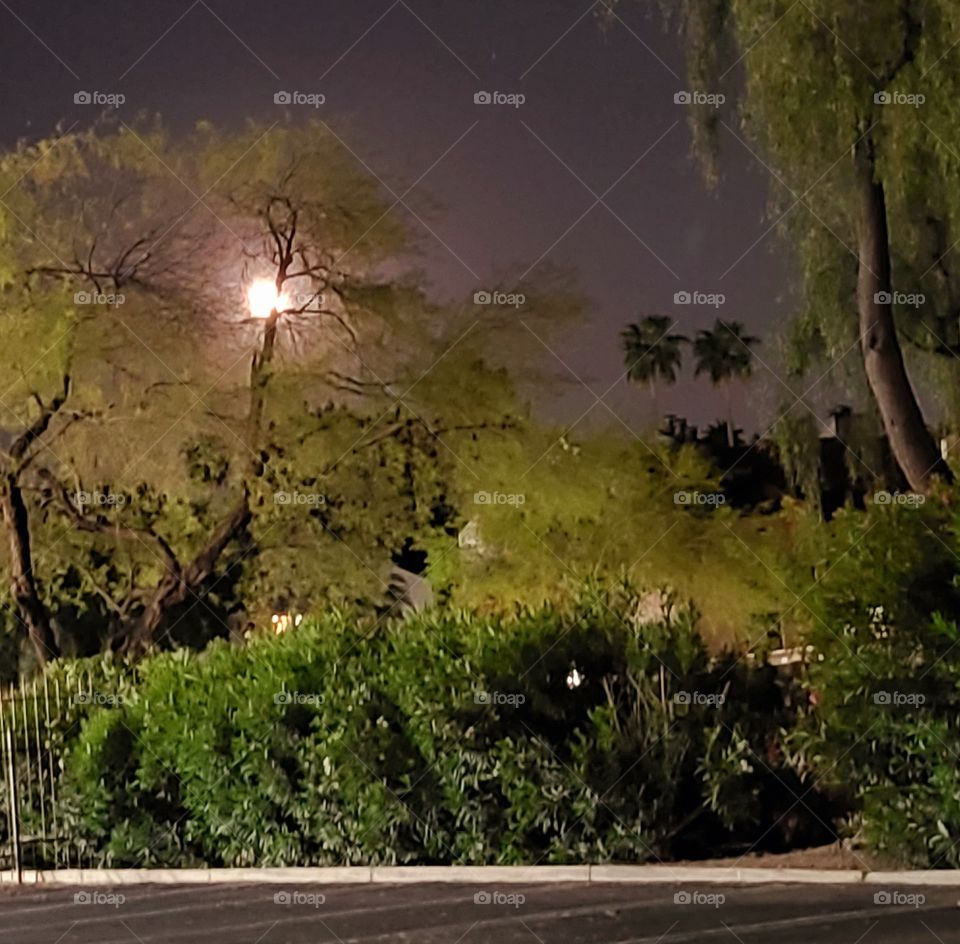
263 298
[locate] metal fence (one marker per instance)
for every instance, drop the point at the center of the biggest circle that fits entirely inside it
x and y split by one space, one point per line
36 721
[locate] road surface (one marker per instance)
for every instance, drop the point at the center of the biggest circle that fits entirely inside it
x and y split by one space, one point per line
461 914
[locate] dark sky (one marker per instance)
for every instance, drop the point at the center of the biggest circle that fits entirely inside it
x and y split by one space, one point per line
399 78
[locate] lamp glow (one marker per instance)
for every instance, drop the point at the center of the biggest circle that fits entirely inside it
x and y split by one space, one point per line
263 298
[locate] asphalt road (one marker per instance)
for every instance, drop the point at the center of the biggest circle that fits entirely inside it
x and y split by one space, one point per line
459 914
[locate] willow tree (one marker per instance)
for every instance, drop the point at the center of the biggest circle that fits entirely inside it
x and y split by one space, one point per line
855 109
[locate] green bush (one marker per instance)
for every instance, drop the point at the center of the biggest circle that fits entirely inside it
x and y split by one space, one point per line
886 727
444 738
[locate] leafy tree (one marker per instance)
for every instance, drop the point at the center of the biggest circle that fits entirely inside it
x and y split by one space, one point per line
853 107
157 428
652 353
724 354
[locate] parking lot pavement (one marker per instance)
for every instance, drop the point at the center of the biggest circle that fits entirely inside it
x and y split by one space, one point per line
471 914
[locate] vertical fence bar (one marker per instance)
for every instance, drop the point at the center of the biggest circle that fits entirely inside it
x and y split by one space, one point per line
25 725
59 695
3 767
41 780
54 821
14 808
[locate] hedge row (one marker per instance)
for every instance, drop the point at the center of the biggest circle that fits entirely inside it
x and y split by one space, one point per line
552 736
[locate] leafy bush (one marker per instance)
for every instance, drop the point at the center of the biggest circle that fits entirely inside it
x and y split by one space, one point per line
444 738
886 728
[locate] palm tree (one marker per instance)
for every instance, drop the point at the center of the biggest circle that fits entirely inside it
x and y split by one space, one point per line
651 353
725 353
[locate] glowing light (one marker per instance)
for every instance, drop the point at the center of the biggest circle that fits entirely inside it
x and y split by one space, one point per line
264 300
574 679
283 622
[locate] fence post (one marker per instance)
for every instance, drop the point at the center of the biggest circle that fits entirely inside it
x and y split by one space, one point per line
14 808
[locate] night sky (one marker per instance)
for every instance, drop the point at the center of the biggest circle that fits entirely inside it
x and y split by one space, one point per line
519 187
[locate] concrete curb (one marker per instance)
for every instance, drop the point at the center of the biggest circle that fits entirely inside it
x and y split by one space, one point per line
483 875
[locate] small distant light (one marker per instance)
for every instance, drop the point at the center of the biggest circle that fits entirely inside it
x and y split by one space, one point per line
574 679
282 622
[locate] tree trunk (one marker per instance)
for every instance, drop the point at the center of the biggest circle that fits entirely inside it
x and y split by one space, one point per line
23 585
259 376
731 428
178 586
910 441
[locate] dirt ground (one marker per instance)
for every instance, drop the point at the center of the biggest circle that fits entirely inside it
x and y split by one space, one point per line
835 856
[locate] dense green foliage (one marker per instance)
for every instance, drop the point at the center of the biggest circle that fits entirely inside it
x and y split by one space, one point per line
887 725
443 739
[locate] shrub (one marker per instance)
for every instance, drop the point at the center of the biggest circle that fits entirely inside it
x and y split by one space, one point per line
445 738
886 727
